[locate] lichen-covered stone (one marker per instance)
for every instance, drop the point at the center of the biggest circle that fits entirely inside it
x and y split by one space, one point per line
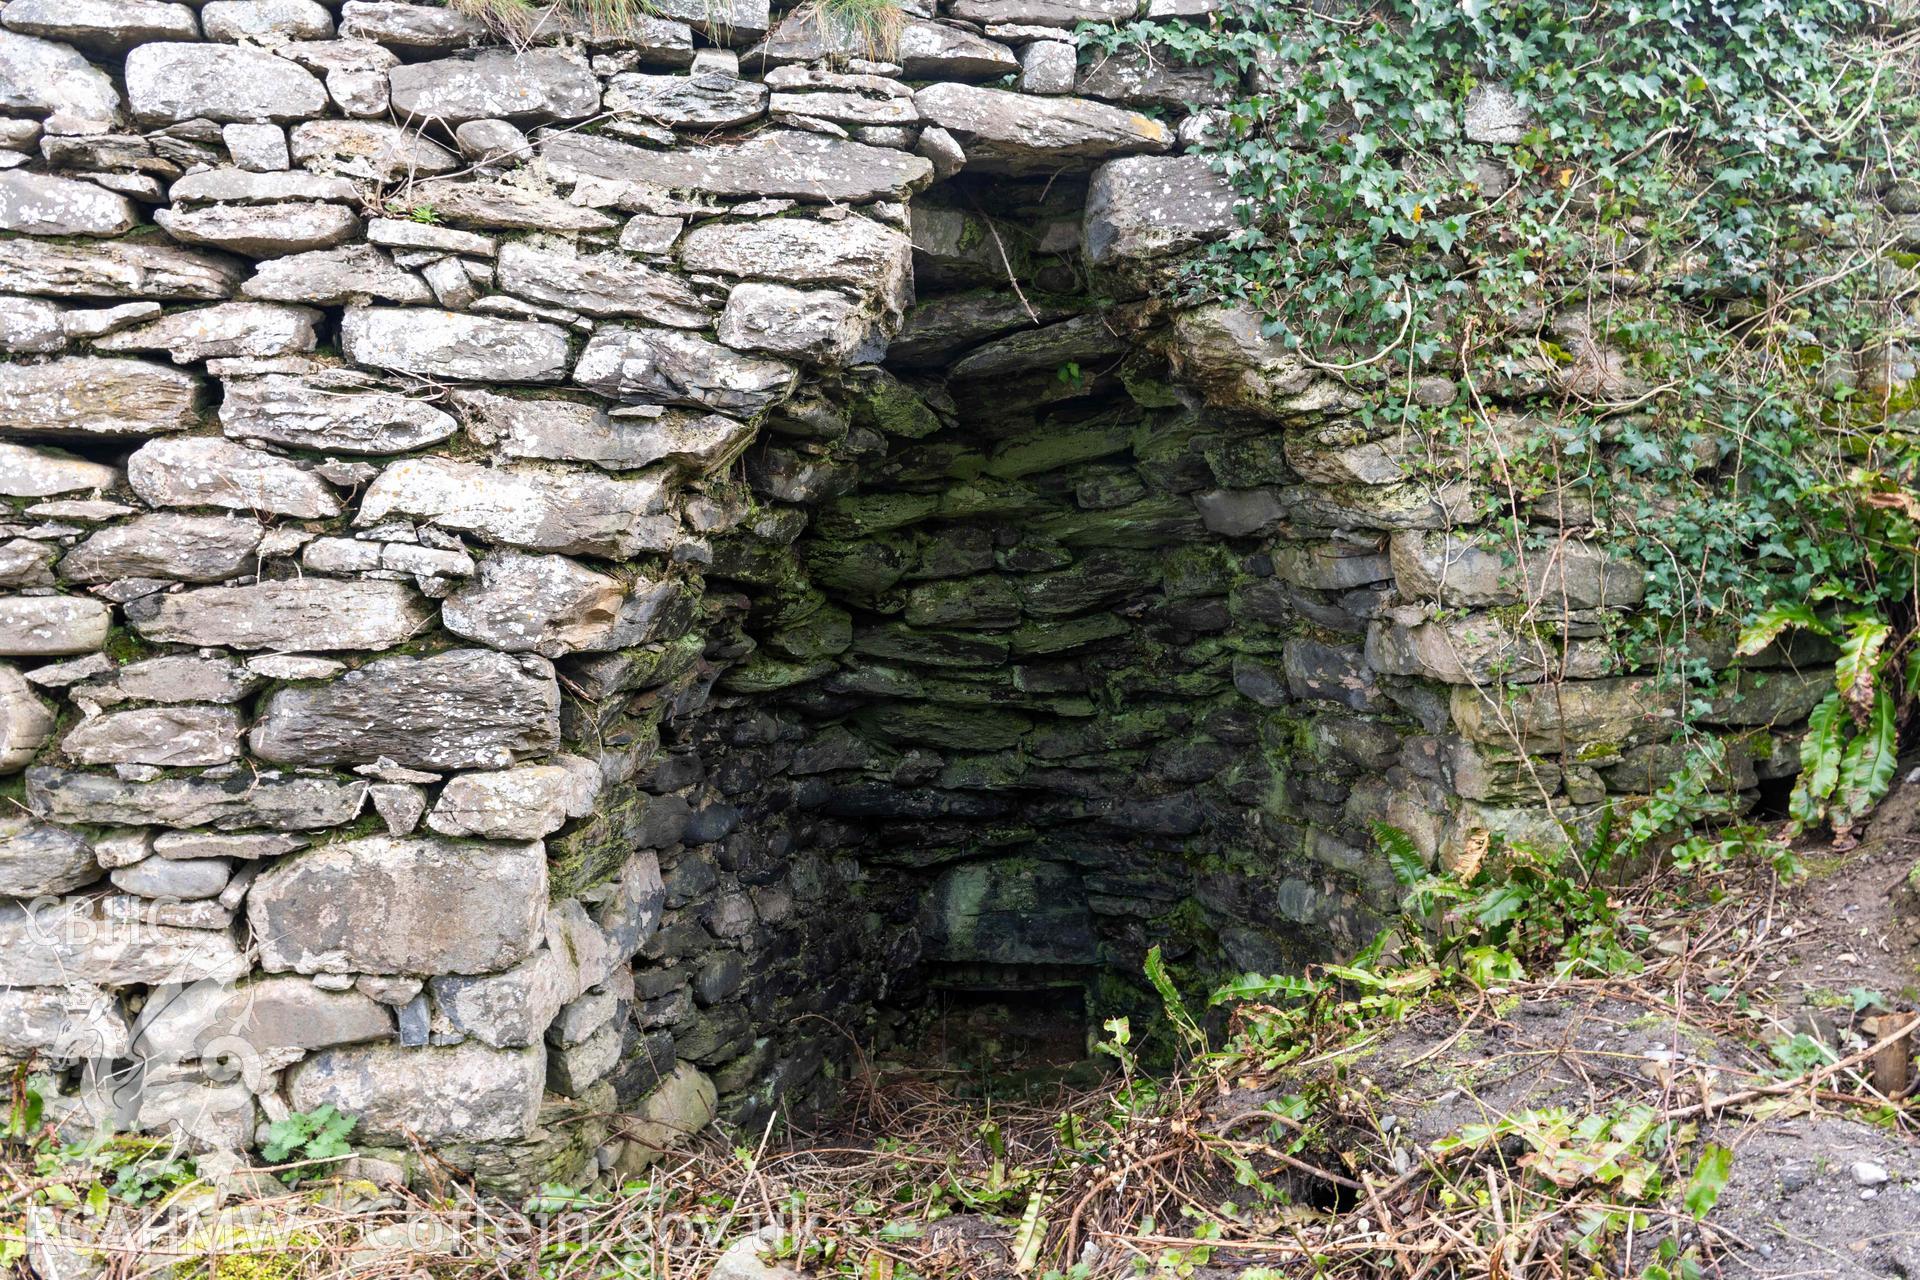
333 277
548 605
818 325
37 859
524 803
295 616
533 84
709 100
47 79
41 204
1143 207
569 431
78 1020
463 709
178 737
102 26
452 344
599 284
272 1015
52 626
412 906
278 803
370 149
225 329
170 678
340 412
575 512
35 471
262 231
164 545
450 1094
88 395
203 471
856 252
266 21
1005 132
801 166
115 269
170 82
672 367
74 942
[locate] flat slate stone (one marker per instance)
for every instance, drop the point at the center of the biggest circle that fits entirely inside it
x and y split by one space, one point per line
171 82
1045 13
166 545
251 329
45 78
40 204
239 186
574 512
410 906
462 709
503 205
52 626
302 615
172 677
370 149
101 26
857 252
553 606
116 269
1005 132
266 21
176 737
335 277
671 367
203 471
37 859
413 27
94 396
801 166
454 344
336 412
73 942
703 100
821 326
1141 207
924 50
261 231
531 85
277 803
599 284
442 1094
569 431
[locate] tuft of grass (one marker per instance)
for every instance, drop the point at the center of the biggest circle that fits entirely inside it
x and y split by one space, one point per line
521 21
875 24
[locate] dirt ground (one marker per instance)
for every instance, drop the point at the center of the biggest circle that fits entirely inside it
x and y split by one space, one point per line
1814 1191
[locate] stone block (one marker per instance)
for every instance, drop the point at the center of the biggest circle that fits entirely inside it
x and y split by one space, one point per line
416 906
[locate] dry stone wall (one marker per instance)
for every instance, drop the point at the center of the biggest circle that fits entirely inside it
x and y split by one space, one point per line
529 572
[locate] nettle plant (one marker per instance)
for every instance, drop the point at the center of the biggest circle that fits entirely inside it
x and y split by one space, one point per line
1670 273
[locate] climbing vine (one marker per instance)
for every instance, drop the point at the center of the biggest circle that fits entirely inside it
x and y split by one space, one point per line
1664 253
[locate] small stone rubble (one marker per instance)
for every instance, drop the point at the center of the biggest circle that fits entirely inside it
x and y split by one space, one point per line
530 572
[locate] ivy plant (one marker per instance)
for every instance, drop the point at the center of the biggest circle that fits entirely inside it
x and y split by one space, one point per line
1658 257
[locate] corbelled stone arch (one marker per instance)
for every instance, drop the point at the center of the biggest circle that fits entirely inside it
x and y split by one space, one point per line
531 572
